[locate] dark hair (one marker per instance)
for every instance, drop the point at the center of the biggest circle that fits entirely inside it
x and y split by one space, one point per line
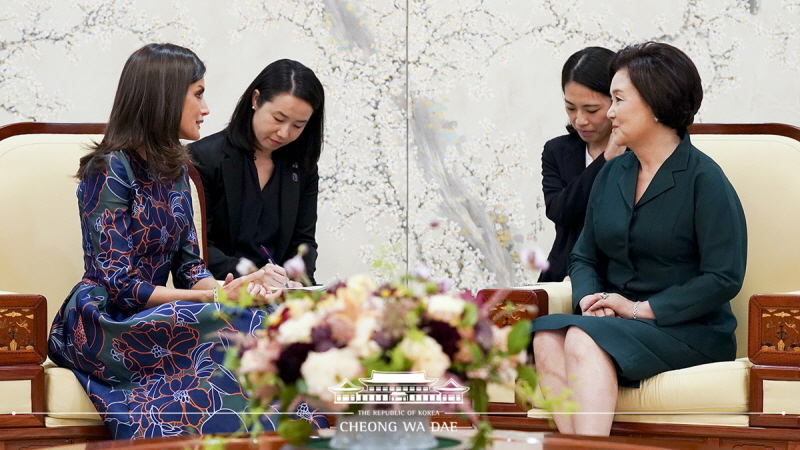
588 67
282 77
147 110
667 80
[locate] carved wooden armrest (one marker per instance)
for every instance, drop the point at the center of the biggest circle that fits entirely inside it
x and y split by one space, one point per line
23 329
513 305
23 348
774 349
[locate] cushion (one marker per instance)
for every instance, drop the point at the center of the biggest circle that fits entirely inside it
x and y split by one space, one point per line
685 396
65 398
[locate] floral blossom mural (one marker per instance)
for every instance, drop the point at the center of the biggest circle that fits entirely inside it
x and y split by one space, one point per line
437 110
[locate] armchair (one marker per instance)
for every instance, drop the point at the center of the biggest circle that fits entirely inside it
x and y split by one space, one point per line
40 241
754 400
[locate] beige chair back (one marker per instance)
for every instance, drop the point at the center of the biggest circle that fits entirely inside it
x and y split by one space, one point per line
40 235
762 162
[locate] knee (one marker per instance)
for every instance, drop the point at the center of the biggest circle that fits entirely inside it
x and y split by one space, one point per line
578 343
547 346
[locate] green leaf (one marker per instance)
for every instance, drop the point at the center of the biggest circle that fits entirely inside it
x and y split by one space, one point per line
470 315
296 432
520 337
526 373
288 393
232 360
483 438
478 394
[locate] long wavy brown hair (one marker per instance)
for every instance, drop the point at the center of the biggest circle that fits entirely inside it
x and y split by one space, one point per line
147 110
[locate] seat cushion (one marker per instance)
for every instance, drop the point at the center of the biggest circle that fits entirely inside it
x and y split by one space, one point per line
708 394
65 398
692 390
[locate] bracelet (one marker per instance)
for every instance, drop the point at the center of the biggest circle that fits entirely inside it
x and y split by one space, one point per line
635 307
216 296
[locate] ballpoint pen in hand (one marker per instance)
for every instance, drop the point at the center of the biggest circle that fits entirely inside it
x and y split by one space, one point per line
271 261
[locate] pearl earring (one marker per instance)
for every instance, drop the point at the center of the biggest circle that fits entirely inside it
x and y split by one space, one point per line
655 118
254 108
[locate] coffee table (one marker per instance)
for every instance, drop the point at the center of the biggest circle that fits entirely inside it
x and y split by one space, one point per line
503 440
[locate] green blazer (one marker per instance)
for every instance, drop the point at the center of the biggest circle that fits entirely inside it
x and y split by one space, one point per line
682 246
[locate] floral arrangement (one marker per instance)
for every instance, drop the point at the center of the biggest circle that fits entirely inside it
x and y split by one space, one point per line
316 339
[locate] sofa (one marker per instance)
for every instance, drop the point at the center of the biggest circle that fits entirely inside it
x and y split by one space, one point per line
42 259
754 401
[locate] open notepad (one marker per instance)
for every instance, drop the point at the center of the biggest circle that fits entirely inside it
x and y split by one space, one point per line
318 287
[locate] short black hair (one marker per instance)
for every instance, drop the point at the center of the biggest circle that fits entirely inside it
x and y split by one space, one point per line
284 76
667 80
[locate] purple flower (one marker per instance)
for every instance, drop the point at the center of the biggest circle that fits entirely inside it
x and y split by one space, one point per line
534 259
245 266
484 336
322 337
444 334
421 271
444 285
291 359
295 268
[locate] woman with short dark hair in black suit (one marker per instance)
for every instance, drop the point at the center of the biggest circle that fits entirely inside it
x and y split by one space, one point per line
571 162
260 174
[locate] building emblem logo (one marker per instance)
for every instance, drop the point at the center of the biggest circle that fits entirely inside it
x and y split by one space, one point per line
399 387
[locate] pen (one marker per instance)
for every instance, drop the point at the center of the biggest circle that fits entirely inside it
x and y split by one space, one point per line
269 257
271 261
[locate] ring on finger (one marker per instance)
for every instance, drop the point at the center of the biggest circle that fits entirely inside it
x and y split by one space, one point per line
604 295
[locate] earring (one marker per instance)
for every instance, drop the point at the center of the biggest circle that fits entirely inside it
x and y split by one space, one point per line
254 108
655 118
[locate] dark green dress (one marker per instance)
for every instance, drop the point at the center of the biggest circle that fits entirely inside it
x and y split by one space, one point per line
682 246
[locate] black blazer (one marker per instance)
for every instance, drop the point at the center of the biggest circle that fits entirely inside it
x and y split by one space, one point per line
221 168
566 183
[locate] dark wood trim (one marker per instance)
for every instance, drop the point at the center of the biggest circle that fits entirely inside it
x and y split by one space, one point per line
15 129
661 430
201 196
764 346
527 303
34 374
759 374
38 305
780 129
94 432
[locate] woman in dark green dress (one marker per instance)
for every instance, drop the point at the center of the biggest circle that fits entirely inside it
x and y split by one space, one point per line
661 255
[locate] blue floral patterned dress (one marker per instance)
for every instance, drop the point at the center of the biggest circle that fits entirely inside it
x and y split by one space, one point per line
158 371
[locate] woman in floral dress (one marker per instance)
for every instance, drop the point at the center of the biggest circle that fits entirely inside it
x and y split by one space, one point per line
149 356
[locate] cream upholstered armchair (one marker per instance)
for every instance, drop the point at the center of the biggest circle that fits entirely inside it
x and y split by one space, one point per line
41 260
754 400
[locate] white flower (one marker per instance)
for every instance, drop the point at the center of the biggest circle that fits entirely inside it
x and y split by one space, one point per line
445 308
500 338
261 358
297 330
362 343
359 288
327 369
426 355
245 267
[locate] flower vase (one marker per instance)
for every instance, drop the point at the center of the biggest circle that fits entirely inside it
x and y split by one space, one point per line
406 427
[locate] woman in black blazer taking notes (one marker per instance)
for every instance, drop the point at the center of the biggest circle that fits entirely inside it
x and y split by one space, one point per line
260 174
571 162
